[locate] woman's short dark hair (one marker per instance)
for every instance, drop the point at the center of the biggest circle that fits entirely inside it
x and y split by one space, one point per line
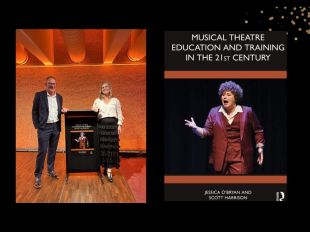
233 87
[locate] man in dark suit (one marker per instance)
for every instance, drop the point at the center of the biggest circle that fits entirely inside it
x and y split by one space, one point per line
46 118
233 129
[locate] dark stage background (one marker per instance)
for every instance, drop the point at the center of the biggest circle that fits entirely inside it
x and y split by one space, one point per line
186 153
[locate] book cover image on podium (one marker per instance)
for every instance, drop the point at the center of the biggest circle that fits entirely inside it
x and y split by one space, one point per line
81 141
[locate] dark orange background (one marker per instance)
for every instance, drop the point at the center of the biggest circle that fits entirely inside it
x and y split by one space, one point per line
79 86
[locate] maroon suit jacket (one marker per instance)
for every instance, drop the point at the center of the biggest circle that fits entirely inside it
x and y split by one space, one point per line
250 130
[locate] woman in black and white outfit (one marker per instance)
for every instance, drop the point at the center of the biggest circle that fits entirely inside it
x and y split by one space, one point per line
110 120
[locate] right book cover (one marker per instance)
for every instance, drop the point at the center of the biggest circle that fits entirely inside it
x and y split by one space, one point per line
225 116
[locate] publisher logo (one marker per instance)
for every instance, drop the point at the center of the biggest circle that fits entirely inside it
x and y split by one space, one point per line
280 196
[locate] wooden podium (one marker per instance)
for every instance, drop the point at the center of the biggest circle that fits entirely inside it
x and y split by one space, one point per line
82 148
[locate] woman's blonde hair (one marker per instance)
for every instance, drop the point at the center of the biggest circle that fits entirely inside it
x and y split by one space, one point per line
100 91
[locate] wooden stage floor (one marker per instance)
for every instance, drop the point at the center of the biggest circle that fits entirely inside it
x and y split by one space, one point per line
129 187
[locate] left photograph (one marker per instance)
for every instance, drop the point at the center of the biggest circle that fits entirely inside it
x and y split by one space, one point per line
81 116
